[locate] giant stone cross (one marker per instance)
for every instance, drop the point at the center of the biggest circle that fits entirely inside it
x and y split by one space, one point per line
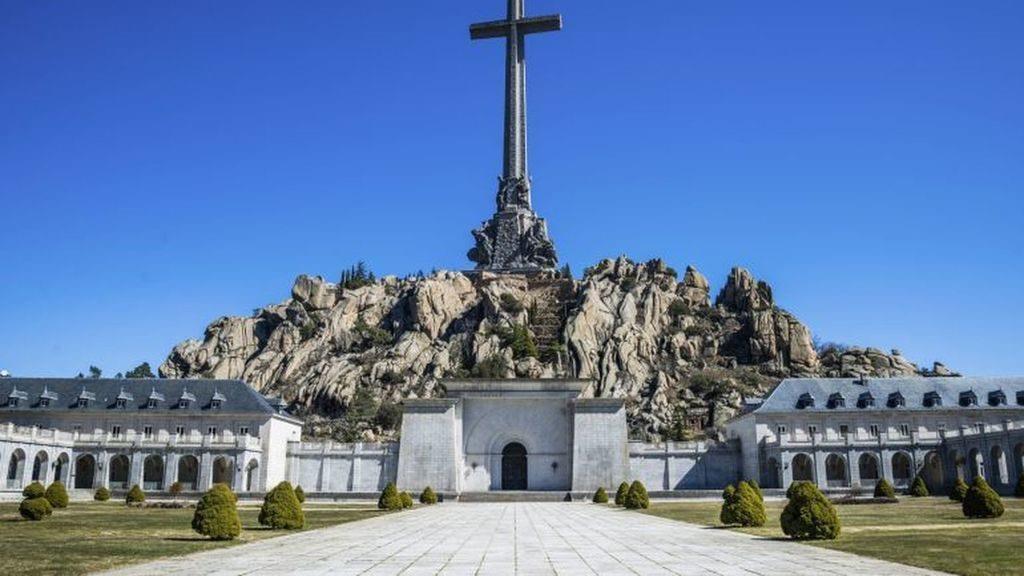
515 238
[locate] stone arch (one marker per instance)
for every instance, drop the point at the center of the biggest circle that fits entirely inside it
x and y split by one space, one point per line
932 471
252 478
85 472
773 474
188 472
976 463
803 468
956 460
902 469
868 466
118 474
153 472
16 469
514 467
223 471
40 467
997 463
61 468
835 471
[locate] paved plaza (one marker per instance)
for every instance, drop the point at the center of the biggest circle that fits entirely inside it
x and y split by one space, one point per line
521 538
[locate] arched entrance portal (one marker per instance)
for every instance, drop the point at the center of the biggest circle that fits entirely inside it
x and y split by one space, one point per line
513 467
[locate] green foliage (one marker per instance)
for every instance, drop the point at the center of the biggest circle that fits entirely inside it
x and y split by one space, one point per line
57 495
727 515
918 488
1018 490
371 335
389 415
600 497
35 508
628 283
982 501
637 496
620 494
677 309
300 494
406 499
493 366
565 272
520 339
389 498
742 505
282 509
34 490
307 330
809 515
883 489
959 490
141 371
757 489
428 496
95 373
135 495
216 514
357 276
511 304
176 489
101 495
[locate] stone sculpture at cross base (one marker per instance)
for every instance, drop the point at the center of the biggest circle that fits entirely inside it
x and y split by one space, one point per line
515 237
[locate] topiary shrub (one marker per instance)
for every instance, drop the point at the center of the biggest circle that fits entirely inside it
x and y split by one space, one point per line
742 505
101 495
406 499
57 495
300 494
35 508
883 489
982 501
727 515
216 515
281 509
600 497
1018 491
959 490
620 494
757 489
176 489
135 495
34 490
427 496
918 489
637 497
389 498
809 515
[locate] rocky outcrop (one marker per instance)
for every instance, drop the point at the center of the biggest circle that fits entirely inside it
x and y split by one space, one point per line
634 329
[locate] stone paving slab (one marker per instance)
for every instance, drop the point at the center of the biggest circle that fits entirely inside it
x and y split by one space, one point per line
521 538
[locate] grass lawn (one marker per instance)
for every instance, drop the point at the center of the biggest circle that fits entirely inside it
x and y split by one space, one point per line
92 536
926 532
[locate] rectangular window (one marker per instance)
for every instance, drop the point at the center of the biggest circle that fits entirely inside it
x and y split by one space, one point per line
77 428
179 431
115 431
781 430
980 427
147 432
905 430
243 431
812 430
873 431
212 430
844 430
941 427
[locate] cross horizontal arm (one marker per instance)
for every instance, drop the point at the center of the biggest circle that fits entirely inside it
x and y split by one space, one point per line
493 29
499 28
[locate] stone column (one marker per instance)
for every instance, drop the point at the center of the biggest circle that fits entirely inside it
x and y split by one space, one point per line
135 469
820 475
205 471
786 461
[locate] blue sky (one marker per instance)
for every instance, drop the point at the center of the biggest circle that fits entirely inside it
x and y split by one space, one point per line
166 163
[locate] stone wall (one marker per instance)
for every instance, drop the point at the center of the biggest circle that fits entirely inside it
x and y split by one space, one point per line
335 468
685 465
600 457
430 446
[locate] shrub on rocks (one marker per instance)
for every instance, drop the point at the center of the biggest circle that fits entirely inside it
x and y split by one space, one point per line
281 509
637 497
389 498
959 490
600 497
982 501
35 508
57 495
883 489
216 514
809 515
300 494
34 490
620 494
406 499
918 489
101 495
428 496
135 495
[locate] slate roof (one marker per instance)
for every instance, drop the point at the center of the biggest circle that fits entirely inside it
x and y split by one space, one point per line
103 393
885 391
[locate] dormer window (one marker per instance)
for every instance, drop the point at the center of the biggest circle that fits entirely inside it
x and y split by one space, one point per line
123 398
151 403
46 397
16 397
44 402
997 398
866 400
82 403
186 399
120 403
12 401
84 397
896 400
968 398
154 400
805 401
836 400
217 401
932 399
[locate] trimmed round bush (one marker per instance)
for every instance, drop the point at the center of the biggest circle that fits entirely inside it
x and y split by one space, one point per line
35 508
135 495
742 505
300 494
281 509
101 495
883 489
34 490
57 495
959 490
757 489
809 515
406 499
389 498
727 515
216 514
982 501
1018 491
918 489
428 496
620 494
600 497
637 497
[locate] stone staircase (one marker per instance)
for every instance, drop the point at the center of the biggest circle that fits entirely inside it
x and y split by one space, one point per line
550 300
521 496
